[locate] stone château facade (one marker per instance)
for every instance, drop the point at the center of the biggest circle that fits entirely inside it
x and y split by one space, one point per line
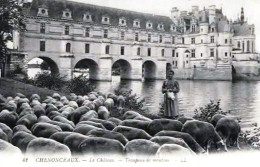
200 44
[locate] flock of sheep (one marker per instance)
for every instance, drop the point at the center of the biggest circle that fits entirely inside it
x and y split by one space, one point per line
82 125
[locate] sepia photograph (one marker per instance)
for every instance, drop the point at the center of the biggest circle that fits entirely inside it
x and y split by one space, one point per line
129 83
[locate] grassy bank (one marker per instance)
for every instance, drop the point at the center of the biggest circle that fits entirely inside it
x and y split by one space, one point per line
9 87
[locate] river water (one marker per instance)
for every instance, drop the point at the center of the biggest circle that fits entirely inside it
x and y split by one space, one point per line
242 98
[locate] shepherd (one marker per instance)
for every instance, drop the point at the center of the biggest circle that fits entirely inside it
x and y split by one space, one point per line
170 89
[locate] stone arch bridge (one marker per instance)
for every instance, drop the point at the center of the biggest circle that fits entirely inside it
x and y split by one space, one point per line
100 67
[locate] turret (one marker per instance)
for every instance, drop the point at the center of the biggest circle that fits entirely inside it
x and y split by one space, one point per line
195 11
174 13
204 25
212 13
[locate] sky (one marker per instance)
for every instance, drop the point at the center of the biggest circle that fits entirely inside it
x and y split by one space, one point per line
230 8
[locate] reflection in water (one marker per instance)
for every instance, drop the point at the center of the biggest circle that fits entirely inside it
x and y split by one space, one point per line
242 98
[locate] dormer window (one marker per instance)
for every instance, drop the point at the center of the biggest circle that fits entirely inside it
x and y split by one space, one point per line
173 28
66 14
122 22
136 24
160 27
213 29
105 20
193 28
149 25
42 12
87 18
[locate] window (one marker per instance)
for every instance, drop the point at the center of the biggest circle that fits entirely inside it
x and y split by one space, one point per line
187 62
173 40
107 49
160 40
122 35
67 30
253 46
243 46
105 35
193 53
68 46
212 29
211 52
238 44
201 41
226 41
173 53
193 28
42 46
176 63
122 52
87 48
136 36
248 46
192 40
149 37
226 54
183 40
173 62
149 52
42 29
201 55
138 51
87 34
162 52
177 54
212 39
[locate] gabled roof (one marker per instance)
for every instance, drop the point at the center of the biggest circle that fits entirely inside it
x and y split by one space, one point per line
56 8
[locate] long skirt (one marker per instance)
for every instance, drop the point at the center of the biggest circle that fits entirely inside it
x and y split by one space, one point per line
171 107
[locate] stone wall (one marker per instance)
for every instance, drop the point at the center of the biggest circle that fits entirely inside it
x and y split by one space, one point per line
224 74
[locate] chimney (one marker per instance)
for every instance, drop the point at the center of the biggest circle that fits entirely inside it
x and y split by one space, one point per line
242 17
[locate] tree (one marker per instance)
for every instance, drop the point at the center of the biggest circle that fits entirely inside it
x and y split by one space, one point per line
11 19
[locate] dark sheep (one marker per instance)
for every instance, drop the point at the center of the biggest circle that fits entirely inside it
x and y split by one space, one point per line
63 120
183 119
3 135
84 129
45 129
108 134
19 128
136 124
22 139
63 126
132 133
229 129
76 114
107 124
73 141
186 137
204 133
8 118
98 125
216 118
158 125
26 111
60 136
98 145
28 120
141 147
48 148
7 130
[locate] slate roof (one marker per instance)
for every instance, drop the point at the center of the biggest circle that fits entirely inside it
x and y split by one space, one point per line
56 8
242 30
